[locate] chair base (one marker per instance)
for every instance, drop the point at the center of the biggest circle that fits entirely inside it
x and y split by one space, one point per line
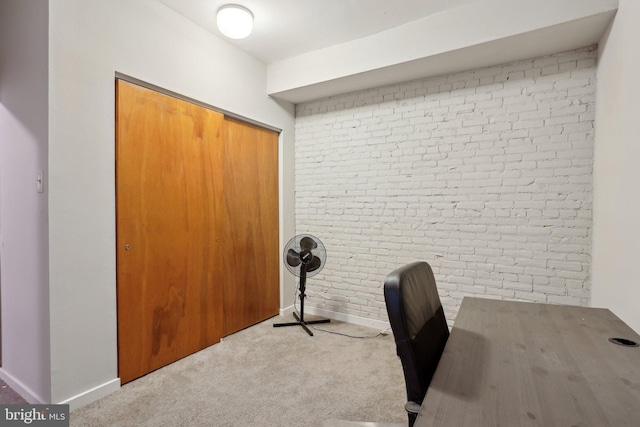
302 322
412 418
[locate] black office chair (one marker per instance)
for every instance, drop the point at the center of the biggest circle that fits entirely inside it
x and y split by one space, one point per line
419 328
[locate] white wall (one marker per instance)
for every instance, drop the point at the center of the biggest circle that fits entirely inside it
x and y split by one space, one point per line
486 175
23 211
90 42
616 243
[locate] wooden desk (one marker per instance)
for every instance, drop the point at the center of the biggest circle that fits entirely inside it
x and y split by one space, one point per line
524 364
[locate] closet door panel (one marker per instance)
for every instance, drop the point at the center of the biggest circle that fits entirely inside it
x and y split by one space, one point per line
168 267
248 222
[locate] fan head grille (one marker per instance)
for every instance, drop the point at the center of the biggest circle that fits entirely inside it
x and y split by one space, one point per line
307 250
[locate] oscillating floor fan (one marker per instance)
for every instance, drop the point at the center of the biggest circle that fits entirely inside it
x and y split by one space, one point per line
304 256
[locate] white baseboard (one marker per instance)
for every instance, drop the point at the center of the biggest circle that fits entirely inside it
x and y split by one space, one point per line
93 394
287 310
74 402
343 317
27 394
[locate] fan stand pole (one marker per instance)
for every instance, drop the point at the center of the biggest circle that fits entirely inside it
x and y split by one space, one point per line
300 320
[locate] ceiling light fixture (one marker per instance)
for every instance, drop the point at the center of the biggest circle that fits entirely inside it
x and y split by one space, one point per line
234 21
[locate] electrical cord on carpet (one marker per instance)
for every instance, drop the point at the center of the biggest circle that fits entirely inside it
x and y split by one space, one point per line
315 328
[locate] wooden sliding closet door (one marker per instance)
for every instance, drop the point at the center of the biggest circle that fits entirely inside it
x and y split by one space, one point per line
168 267
197 228
249 224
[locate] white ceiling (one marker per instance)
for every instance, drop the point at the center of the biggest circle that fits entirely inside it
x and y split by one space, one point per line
288 28
319 48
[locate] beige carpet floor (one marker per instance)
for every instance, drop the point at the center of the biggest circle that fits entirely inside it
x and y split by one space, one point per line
8 396
265 377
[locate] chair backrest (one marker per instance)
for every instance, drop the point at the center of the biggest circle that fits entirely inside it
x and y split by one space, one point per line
418 323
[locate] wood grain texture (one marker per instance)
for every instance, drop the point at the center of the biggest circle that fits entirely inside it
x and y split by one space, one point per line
248 224
197 208
525 364
168 288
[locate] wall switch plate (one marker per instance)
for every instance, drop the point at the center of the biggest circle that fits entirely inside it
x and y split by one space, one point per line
40 181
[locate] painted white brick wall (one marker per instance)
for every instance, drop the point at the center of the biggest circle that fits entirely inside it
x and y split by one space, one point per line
486 175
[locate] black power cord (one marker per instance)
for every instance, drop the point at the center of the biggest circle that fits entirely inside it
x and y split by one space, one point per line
315 328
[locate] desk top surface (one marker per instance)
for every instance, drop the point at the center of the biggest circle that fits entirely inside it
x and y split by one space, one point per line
524 364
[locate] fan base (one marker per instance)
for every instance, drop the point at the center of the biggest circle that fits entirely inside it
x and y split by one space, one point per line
302 323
